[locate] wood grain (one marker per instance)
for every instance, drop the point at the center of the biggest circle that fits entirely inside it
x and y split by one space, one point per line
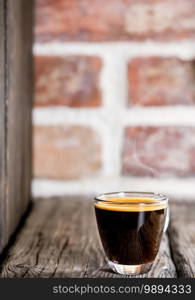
16 104
2 122
182 238
60 239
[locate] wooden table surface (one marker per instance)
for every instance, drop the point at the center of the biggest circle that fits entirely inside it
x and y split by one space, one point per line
59 238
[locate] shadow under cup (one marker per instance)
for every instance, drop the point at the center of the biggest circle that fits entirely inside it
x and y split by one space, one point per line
131 225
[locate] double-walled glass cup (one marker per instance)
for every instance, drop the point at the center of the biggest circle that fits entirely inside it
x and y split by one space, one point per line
131 225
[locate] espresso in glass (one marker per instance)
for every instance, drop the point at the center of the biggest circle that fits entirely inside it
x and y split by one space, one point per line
131 225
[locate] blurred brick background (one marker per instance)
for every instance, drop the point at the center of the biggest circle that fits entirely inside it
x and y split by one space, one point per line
114 95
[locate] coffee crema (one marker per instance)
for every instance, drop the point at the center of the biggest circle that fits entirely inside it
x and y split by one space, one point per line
131 228
130 204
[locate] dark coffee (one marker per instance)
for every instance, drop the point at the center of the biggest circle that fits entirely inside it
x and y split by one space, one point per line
130 234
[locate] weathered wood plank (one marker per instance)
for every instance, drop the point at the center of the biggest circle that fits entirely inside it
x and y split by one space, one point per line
60 239
182 238
2 121
16 104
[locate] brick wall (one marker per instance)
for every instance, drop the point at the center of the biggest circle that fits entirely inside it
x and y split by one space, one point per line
114 96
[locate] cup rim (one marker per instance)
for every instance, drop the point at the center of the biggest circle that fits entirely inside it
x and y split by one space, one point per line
156 198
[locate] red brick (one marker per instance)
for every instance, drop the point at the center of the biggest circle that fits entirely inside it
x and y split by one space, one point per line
71 81
156 81
159 151
100 20
66 152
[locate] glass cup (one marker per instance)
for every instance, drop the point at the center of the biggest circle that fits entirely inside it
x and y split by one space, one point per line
131 225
